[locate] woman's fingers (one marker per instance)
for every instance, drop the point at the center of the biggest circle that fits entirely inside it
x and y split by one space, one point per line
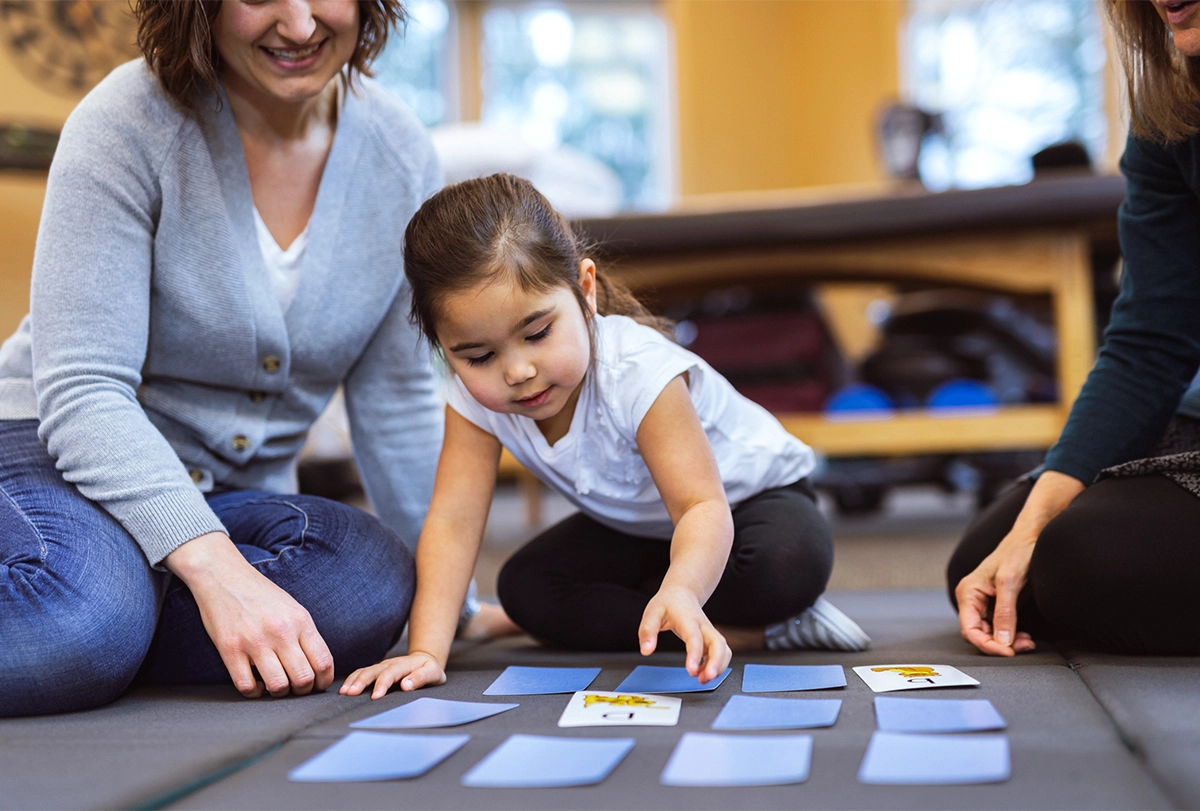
274 676
318 656
1004 616
238 665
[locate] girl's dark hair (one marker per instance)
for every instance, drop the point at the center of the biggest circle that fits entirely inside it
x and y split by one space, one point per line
1163 85
501 226
175 36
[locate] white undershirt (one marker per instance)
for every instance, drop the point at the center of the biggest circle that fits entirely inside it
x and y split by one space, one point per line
283 266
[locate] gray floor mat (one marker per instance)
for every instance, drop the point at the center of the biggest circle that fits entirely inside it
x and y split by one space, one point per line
1156 704
1066 752
150 743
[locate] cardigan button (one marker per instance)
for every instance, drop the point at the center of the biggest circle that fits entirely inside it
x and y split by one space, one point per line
257 396
271 364
240 443
196 475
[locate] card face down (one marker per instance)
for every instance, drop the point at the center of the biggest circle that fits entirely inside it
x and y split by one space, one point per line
536 761
757 712
363 756
886 678
427 713
936 714
651 679
594 708
782 678
704 759
534 681
900 759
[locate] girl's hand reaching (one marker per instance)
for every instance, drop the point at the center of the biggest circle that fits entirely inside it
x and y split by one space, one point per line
412 671
678 610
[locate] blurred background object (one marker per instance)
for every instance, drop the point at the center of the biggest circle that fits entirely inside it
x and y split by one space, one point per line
768 115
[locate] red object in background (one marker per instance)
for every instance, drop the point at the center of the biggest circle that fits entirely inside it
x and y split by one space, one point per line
754 342
780 360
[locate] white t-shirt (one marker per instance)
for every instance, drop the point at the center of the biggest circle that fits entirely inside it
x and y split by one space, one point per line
597 466
283 266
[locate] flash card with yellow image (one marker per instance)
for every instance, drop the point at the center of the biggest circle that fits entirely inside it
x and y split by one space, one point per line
593 708
886 678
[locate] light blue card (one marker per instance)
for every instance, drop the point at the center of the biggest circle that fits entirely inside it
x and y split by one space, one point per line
536 761
901 759
651 679
427 713
936 714
782 678
756 712
704 759
536 681
362 756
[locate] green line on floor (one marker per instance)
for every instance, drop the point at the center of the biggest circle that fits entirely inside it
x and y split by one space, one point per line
174 795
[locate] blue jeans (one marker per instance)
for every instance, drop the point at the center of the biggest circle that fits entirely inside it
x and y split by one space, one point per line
82 613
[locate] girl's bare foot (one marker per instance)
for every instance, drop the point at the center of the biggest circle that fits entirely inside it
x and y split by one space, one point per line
489 623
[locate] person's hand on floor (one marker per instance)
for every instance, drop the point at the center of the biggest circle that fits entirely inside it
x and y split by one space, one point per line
987 597
678 610
413 671
991 591
253 622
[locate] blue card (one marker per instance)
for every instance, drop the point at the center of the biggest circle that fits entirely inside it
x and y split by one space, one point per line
426 713
936 714
900 759
362 756
781 678
536 761
651 679
704 759
536 681
756 712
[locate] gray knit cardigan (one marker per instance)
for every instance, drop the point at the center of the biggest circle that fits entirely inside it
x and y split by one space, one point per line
156 355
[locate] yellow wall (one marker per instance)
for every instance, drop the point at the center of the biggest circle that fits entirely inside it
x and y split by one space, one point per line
21 193
781 93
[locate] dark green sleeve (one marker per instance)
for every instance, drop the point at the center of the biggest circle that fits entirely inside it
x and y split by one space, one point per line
1152 345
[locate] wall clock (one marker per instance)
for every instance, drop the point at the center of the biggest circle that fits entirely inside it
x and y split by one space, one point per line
67 46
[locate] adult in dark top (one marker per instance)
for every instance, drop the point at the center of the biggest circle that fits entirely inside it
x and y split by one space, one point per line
1103 547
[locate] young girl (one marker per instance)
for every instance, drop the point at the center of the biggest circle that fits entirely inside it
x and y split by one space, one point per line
570 373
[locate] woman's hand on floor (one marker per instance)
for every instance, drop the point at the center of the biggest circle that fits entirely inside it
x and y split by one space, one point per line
990 592
252 621
413 671
678 610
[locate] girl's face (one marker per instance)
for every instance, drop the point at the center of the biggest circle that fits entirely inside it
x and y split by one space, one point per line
519 352
286 49
1183 19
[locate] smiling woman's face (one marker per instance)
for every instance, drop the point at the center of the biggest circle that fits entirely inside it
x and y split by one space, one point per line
1183 19
286 49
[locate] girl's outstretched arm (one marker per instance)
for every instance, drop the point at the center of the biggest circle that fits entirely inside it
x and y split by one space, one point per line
677 452
446 552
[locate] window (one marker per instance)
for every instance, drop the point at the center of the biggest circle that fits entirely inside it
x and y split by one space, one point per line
1010 78
593 77
416 67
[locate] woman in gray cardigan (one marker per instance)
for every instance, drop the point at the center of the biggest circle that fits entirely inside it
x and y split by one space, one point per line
220 249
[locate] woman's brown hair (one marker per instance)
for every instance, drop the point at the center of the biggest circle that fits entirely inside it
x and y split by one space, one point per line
501 226
1163 84
175 36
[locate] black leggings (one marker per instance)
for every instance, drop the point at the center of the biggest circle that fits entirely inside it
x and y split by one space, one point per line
584 586
1117 571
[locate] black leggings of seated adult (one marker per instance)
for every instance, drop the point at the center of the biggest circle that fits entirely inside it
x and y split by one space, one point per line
1117 571
584 586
